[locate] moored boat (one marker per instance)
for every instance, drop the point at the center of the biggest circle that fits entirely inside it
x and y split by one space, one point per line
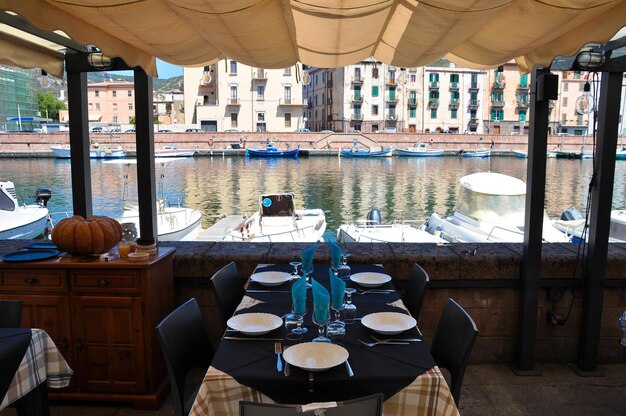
173 151
101 152
476 153
21 221
271 151
520 154
354 152
490 208
420 150
278 220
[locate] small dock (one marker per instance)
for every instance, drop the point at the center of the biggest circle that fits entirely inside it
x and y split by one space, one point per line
217 231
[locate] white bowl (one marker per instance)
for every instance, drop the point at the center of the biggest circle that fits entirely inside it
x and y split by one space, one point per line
370 279
388 323
315 356
254 323
271 278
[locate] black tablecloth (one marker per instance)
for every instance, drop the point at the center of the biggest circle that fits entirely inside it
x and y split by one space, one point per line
13 345
384 368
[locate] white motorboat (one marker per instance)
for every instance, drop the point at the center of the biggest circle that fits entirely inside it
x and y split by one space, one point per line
174 221
372 230
173 151
21 221
100 152
278 220
574 225
490 208
420 150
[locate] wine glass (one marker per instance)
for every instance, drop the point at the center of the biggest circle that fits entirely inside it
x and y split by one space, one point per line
344 269
294 320
336 327
321 327
307 275
295 265
349 309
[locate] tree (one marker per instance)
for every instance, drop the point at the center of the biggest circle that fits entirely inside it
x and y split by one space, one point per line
49 105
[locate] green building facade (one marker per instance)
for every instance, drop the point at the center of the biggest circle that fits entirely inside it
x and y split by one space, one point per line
18 93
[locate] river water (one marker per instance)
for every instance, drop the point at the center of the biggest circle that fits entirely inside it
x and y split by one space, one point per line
346 189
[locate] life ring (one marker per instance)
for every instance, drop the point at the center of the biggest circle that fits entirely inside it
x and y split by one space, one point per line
432 140
210 142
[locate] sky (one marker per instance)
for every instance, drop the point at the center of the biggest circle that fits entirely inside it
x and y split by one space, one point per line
168 70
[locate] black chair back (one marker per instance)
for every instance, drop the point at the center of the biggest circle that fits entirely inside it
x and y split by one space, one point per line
453 342
186 345
10 313
364 406
228 289
416 288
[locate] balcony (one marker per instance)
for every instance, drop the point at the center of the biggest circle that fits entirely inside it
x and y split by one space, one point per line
391 99
454 103
473 122
434 85
433 102
498 85
391 81
391 117
357 99
357 116
290 102
473 104
233 102
259 75
522 104
497 103
357 79
454 86
523 87
473 87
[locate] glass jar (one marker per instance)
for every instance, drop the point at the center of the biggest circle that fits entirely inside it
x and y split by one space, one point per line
129 235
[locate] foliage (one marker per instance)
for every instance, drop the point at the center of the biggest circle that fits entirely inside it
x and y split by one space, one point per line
49 105
133 120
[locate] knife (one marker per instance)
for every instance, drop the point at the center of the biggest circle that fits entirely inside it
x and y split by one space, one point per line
252 339
349 369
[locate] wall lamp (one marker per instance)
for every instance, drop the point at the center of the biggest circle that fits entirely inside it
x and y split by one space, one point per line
98 60
590 59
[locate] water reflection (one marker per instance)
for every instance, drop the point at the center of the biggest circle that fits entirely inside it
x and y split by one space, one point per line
346 189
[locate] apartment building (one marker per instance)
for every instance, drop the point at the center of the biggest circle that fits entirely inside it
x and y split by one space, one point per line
565 117
169 106
230 96
111 102
18 96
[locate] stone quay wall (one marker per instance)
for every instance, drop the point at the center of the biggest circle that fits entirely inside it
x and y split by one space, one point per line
38 145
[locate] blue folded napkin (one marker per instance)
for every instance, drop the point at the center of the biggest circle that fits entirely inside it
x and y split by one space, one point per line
337 289
298 296
307 258
321 301
335 254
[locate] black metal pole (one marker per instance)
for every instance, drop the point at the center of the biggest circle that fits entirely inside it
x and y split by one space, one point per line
146 182
600 213
542 90
79 138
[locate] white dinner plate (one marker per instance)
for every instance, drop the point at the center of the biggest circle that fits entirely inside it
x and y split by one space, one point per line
315 356
254 323
271 278
388 323
370 279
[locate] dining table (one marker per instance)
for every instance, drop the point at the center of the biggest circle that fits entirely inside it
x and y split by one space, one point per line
37 366
245 367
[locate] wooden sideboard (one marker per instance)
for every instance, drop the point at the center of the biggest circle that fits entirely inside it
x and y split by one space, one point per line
102 317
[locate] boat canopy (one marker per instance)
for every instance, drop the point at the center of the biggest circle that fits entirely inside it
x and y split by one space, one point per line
493 183
277 205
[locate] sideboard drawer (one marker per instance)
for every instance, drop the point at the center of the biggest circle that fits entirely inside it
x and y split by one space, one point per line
119 281
29 280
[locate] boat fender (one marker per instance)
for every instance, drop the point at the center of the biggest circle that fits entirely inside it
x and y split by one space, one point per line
210 142
374 217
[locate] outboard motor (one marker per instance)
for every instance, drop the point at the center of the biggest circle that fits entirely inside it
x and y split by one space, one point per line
42 196
374 217
571 214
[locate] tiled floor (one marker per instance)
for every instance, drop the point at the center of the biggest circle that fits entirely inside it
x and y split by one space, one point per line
488 389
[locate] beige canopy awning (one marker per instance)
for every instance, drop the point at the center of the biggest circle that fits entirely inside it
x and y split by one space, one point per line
324 33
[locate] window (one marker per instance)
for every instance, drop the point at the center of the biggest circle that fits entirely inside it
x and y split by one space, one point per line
287 71
375 72
413 78
114 106
433 77
233 119
114 119
374 110
455 95
97 106
287 119
577 74
563 118
392 111
260 93
130 93
357 73
433 113
453 113
565 86
433 94
496 115
412 112
260 125
579 119
96 93
287 93
233 92
114 94
522 115
316 100
523 80
130 106
454 78
233 67
581 87
374 90
564 101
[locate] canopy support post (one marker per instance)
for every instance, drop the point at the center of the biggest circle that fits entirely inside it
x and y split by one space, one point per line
600 214
144 137
79 138
544 87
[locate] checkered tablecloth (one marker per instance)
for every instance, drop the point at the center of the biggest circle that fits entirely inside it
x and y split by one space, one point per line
42 362
428 394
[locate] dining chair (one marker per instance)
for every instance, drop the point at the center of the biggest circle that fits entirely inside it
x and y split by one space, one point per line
186 345
416 288
365 406
10 313
228 290
452 344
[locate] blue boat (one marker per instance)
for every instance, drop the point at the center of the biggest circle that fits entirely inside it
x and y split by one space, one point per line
271 151
477 153
387 151
420 150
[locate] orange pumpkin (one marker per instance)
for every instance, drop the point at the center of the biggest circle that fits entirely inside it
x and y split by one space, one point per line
86 236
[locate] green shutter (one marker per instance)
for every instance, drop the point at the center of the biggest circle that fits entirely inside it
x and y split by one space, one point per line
375 91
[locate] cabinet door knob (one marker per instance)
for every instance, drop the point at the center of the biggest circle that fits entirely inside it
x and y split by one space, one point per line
31 280
104 282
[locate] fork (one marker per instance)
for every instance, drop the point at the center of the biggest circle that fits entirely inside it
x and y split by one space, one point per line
278 349
396 339
374 291
372 344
